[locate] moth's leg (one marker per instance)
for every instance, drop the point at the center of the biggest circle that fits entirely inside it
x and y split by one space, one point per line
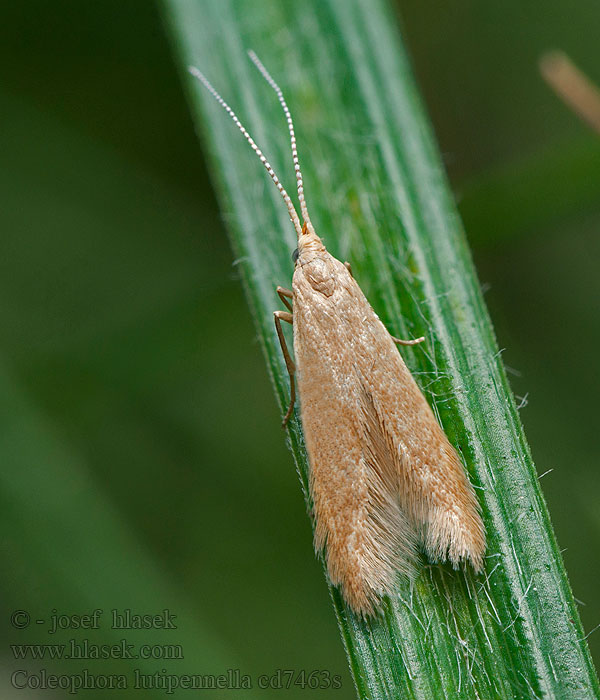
349 268
416 341
284 295
280 316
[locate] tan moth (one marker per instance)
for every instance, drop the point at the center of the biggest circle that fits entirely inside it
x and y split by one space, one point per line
384 479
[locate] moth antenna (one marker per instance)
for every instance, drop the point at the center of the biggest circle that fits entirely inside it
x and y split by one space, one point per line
267 76
286 198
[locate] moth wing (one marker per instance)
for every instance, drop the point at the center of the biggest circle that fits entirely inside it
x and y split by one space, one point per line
354 476
384 477
354 483
434 491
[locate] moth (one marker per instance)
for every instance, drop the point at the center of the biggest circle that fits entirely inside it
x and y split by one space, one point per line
384 479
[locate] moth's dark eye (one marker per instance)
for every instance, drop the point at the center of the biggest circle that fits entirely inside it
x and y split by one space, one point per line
295 255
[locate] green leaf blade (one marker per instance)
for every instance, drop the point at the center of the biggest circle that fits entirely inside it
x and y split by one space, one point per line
378 195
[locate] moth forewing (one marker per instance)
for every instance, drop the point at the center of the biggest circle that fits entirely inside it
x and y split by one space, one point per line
384 478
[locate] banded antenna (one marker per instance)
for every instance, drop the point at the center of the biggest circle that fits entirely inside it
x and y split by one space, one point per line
286 198
267 76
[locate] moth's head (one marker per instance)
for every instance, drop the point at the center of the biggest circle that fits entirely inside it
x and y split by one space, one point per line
309 244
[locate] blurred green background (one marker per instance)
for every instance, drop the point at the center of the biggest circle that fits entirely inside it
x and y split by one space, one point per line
143 465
